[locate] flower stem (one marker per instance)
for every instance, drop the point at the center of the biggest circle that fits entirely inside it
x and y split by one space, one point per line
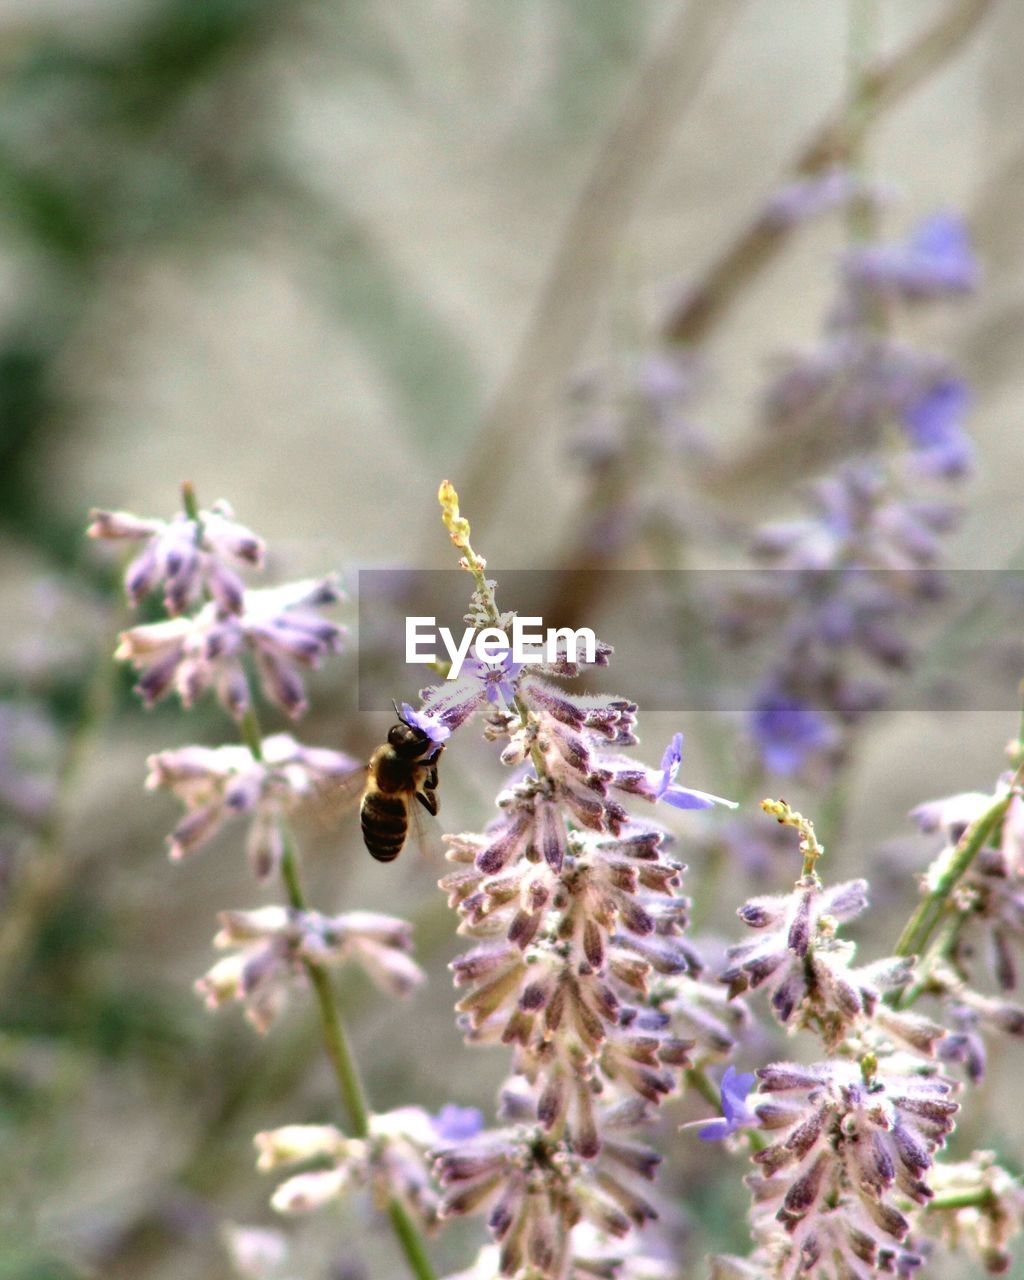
862 48
458 528
976 1198
336 1041
930 910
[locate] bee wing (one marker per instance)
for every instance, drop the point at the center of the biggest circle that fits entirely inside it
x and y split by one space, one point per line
425 834
333 797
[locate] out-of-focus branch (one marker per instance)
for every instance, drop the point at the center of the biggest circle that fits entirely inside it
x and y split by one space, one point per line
830 146
585 256
833 142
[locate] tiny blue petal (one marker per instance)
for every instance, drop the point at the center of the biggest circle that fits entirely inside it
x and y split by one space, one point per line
434 730
736 1114
934 425
681 798
670 761
455 1124
787 732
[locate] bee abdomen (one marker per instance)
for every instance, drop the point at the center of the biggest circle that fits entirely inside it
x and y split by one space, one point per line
385 822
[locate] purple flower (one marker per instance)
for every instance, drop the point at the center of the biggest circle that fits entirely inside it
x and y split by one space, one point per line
787 731
937 259
666 788
456 1124
934 425
434 729
498 677
736 1114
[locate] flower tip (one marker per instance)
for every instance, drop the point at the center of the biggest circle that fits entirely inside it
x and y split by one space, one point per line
456 524
434 730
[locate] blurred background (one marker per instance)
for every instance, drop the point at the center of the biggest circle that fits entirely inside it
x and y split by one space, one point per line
314 257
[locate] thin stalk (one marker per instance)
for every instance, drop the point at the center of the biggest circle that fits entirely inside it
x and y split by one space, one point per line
939 952
930 910
477 567
977 1198
335 1037
862 49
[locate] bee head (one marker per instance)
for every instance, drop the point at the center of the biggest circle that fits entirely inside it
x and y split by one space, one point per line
406 739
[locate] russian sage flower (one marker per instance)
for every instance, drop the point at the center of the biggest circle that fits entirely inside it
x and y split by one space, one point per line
736 1114
256 1253
851 1137
269 944
390 1161
863 566
991 894
574 909
936 260
185 555
220 630
987 1209
217 784
278 626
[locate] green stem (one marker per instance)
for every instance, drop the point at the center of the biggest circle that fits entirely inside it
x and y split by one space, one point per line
336 1041
976 1198
930 910
938 952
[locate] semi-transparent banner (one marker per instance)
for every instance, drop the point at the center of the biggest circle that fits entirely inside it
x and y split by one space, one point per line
718 640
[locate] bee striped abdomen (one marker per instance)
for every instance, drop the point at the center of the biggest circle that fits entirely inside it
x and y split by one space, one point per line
385 822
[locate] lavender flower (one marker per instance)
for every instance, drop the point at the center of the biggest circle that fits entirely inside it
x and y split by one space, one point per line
389 1161
271 946
185 555
936 260
852 1136
219 783
576 916
736 1114
278 626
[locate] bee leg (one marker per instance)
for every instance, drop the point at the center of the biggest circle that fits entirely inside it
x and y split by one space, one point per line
428 800
430 781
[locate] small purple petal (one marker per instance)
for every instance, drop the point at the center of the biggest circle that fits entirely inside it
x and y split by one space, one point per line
787 731
435 731
456 1124
682 798
736 1114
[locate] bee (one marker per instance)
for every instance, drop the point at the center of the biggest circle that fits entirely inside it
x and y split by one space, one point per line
403 769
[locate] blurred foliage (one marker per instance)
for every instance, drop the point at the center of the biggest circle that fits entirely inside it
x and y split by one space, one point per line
111 146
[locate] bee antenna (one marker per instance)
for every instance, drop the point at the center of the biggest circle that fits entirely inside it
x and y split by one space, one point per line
398 713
